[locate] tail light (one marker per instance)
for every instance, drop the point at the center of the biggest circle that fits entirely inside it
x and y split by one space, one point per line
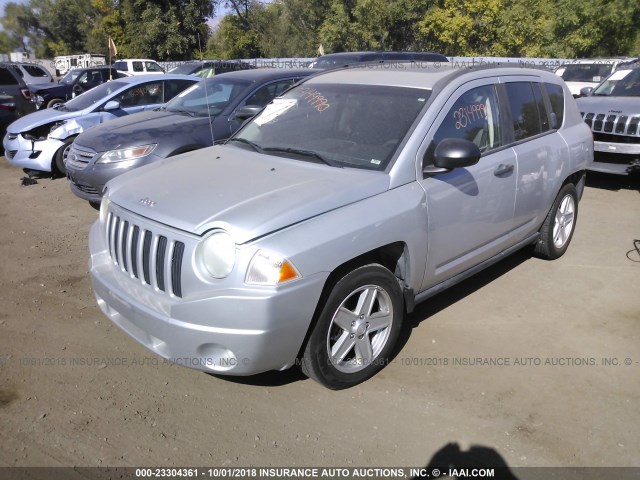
9 106
25 93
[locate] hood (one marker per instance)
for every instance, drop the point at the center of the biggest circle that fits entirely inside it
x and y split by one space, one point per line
245 193
139 129
616 105
39 118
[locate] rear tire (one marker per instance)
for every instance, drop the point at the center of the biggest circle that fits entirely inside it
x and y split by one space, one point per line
356 330
557 229
54 101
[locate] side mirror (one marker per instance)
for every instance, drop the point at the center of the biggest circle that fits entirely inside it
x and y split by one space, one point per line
452 153
247 112
586 91
111 105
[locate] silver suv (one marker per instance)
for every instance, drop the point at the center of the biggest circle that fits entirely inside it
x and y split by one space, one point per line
612 111
306 238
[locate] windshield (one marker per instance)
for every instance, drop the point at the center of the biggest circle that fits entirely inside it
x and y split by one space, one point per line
586 72
70 77
93 96
623 83
185 68
208 97
345 125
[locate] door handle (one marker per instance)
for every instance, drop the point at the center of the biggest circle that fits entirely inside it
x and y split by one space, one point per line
503 170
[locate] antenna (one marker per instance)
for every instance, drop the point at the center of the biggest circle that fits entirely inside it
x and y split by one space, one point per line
206 93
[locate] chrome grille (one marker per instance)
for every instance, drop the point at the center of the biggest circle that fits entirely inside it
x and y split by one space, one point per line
151 258
615 125
79 158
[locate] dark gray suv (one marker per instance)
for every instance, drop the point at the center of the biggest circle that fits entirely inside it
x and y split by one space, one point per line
12 85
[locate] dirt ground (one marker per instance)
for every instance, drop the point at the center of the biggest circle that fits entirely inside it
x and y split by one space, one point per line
563 337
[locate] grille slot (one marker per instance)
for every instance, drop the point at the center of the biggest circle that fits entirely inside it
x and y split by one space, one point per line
134 249
622 124
597 125
621 129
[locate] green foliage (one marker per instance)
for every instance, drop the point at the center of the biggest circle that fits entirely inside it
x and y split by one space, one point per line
467 27
177 29
233 40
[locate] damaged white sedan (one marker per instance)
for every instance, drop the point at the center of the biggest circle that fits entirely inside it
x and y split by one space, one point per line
40 141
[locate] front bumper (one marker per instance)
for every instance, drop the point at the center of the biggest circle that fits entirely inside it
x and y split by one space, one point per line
34 156
613 147
616 158
234 331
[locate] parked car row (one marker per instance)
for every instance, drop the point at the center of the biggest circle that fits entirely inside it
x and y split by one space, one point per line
208 112
41 141
286 226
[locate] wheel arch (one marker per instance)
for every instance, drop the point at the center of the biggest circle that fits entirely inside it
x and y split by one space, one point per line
66 143
577 179
393 256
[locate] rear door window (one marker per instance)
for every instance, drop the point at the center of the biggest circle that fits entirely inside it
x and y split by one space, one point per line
525 114
141 95
35 71
174 87
268 92
556 97
6 77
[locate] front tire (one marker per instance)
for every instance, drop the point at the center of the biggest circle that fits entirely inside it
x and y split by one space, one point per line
60 159
557 229
356 330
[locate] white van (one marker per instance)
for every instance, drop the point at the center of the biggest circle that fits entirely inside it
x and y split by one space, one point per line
64 63
138 66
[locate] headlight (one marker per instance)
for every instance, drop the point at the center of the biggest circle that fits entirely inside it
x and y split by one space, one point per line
268 268
104 208
113 156
218 254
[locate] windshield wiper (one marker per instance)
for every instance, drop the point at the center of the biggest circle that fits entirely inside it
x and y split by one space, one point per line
304 153
255 146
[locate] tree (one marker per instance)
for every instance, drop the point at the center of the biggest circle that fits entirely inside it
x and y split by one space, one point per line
164 29
233 40
594 28
463 27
